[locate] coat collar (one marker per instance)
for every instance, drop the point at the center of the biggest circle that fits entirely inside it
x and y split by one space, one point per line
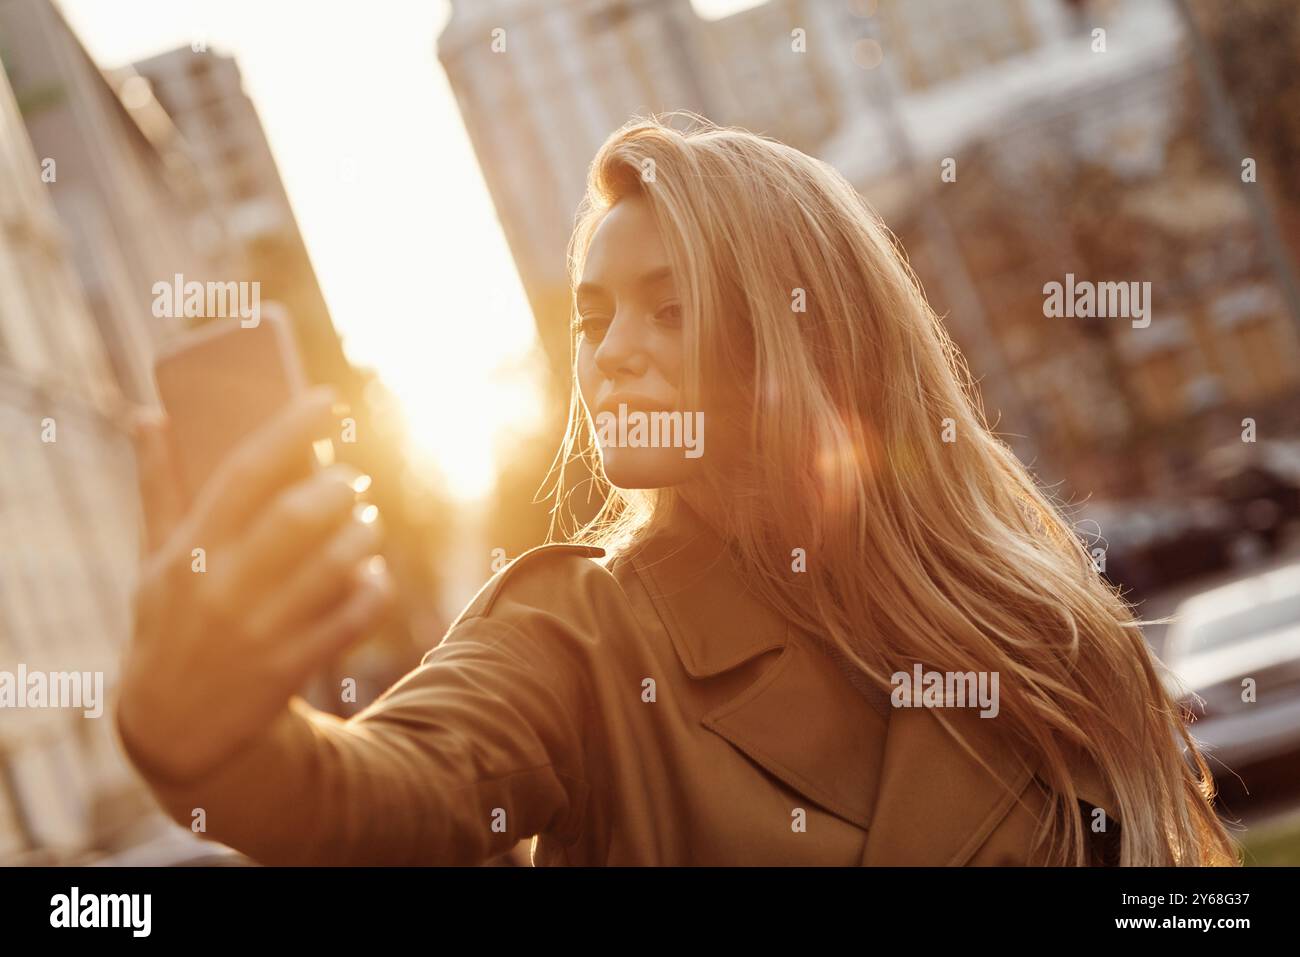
714 620
922 798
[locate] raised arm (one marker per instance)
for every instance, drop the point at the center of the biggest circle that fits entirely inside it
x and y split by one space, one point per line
472 751
476 748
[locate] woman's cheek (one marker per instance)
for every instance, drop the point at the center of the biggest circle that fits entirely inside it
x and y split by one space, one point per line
668 350
588 375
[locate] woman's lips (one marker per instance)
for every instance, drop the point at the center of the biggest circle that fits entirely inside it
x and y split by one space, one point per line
633 403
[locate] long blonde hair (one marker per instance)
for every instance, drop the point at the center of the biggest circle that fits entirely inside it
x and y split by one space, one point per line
944 553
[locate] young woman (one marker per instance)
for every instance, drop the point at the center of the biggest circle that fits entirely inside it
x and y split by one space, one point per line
717 671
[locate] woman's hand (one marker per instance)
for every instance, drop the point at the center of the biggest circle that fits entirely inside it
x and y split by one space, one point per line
291 578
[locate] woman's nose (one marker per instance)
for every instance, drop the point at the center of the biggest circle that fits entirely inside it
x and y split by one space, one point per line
621 352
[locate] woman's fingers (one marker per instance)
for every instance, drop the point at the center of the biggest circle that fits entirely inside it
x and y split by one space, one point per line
293 526
288 532
319 582
367 604
270 458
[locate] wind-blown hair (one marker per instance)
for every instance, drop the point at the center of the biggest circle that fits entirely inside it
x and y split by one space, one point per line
920 550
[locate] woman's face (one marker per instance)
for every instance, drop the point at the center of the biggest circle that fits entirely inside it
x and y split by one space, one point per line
630 354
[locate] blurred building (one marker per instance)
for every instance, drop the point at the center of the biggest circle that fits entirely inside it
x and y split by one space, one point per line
201 92
67 518
1099 164
99 203
122 185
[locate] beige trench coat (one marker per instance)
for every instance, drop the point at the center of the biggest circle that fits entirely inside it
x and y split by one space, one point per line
644 711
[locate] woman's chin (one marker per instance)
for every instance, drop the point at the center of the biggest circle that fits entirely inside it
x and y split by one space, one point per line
647 468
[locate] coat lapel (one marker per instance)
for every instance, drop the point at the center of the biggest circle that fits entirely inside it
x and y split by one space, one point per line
908 781
807 726
936 804
799 719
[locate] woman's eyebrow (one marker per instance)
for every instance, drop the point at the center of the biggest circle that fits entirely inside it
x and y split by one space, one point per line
656 276
653 277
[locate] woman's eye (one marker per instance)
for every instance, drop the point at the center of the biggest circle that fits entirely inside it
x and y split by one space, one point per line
591 328
670 315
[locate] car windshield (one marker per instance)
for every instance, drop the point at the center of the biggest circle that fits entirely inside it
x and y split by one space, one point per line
1259 620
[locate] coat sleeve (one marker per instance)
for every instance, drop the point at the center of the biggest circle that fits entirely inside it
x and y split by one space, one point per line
478 747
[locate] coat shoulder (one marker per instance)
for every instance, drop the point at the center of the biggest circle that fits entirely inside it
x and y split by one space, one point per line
556 579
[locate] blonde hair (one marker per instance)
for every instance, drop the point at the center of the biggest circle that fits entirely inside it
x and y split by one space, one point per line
945 553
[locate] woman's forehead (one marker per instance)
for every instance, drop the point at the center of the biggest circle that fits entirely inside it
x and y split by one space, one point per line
626 247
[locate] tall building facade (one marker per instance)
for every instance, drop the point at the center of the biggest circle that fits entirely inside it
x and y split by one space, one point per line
201 91
68 524
1088 153
122 186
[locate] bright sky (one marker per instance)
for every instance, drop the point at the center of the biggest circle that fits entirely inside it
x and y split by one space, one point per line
387 192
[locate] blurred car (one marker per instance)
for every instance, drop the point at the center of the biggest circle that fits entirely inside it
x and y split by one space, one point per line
1260 483
1151 544
1221 637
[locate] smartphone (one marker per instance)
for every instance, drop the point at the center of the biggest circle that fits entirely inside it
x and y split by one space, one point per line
219 384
